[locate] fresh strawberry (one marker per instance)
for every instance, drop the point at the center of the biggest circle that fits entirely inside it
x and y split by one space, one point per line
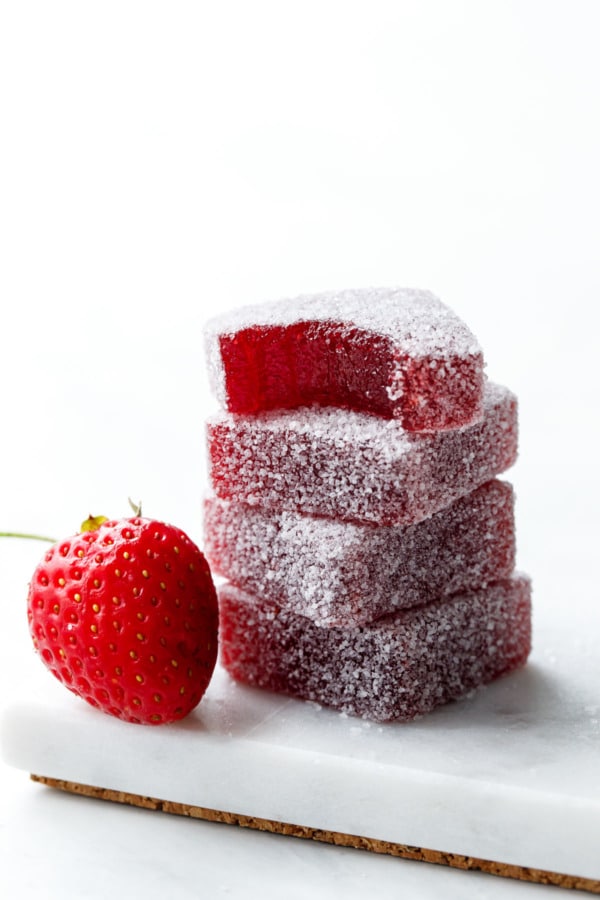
126 617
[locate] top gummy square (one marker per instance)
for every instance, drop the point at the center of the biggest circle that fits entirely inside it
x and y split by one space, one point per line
394 352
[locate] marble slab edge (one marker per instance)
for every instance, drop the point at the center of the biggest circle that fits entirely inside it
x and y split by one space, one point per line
359 842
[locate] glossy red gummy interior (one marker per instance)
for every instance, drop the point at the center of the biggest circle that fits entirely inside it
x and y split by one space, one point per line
331 364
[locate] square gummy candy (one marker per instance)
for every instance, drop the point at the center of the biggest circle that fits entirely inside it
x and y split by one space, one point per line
354 466
397 668
398 353
337 573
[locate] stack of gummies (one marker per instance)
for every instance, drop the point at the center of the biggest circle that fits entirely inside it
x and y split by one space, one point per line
355 511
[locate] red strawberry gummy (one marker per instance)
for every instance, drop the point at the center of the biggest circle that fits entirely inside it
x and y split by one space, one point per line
397 353
336 573
356 467
126 617
399 667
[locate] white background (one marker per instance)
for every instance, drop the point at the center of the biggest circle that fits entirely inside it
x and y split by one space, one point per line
163 161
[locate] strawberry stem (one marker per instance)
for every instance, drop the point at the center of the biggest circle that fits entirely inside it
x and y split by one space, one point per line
136 507
32 537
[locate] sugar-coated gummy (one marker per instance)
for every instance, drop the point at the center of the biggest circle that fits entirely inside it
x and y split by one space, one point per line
354 466
394 352
400 667
337 573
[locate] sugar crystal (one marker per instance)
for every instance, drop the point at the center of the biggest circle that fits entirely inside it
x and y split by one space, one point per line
337 573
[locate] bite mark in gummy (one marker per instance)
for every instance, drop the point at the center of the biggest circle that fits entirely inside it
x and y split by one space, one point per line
396 353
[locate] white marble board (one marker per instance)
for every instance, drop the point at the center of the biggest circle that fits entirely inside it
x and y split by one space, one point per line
509 774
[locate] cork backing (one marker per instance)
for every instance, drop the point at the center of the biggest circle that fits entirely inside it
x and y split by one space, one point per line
405 851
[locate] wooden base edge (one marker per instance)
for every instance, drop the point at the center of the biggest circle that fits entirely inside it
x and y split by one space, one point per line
437 857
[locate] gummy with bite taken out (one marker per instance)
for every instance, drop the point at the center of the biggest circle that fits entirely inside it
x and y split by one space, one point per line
395 352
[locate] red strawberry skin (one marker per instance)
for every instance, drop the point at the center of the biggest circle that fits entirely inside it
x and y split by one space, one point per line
126 617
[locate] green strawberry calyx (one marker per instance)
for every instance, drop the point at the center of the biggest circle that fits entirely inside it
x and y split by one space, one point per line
93 523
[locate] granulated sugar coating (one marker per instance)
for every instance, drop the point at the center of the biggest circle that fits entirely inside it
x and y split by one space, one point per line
398 353
336 573
357 467
400 667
